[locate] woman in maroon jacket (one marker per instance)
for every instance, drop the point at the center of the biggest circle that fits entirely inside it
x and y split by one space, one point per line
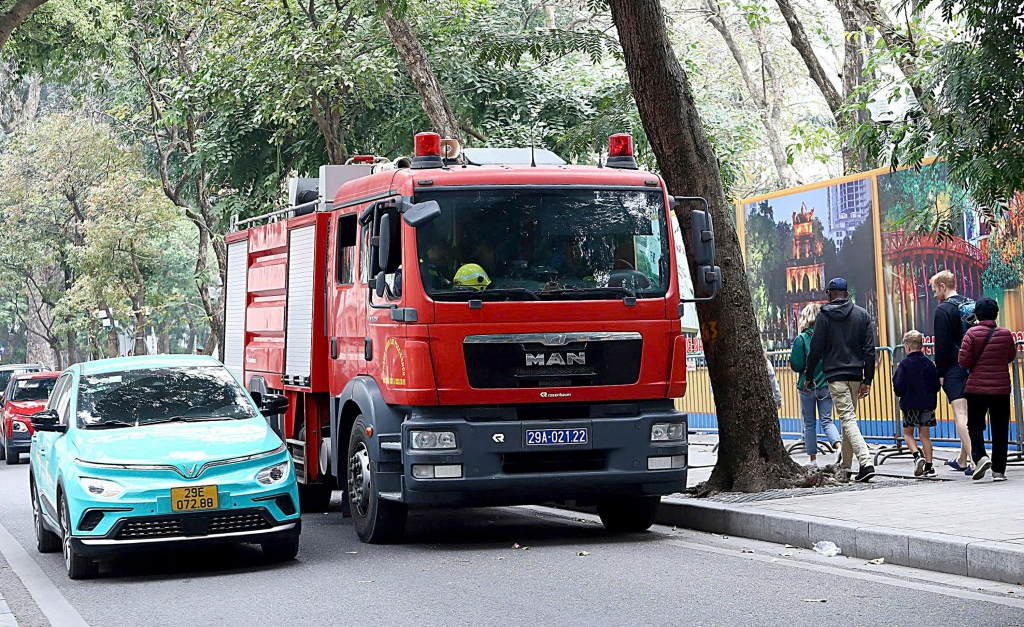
985 353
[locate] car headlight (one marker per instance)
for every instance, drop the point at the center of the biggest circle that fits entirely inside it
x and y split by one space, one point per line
432 440
667 432
101 488
273 475
19 427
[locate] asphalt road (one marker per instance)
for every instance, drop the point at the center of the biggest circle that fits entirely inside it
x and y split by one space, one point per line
459 568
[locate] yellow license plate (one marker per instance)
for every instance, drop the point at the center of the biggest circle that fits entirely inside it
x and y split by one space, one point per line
194 498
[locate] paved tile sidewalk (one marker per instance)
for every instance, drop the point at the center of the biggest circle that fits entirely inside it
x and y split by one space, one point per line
953 525
7 618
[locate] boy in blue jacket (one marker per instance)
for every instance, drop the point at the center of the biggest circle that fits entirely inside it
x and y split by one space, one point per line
916 382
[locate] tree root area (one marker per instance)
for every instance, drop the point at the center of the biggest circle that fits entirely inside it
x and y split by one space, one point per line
774 478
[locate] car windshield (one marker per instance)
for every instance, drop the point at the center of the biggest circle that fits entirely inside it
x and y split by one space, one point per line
32 389
522 243
148 396
5 375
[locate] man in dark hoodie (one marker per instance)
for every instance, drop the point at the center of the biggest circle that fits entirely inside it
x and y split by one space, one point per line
844 343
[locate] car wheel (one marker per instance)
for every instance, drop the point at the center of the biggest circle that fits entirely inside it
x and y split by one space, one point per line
315 497
281 549
628 514
13 457
46 540
376 521
78 566
3 449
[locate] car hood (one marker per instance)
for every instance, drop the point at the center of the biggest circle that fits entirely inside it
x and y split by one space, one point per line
25 408
181 444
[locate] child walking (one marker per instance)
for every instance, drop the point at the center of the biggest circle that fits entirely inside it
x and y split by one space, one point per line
916 382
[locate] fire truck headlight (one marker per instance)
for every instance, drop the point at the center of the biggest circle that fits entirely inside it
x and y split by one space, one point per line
668 432
432 440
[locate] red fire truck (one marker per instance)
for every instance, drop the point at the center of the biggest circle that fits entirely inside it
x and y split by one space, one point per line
487 328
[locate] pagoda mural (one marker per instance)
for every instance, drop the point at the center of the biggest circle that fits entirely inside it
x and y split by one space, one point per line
805 271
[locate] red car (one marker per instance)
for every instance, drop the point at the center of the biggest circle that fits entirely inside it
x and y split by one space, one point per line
25 395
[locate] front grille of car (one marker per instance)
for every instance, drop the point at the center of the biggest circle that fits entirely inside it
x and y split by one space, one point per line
193 525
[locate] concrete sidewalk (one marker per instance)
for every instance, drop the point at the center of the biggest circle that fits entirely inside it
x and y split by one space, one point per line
951 524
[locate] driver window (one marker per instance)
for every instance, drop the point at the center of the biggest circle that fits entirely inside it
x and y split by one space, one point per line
64 403
58 389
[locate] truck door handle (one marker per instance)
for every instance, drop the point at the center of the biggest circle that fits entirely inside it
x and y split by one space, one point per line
334 348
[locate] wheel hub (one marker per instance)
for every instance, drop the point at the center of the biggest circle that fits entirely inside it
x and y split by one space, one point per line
359 479
66 529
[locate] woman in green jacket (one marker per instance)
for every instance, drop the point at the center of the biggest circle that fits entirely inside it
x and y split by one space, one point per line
817 400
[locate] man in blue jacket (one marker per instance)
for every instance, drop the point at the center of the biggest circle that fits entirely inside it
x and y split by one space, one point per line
844 342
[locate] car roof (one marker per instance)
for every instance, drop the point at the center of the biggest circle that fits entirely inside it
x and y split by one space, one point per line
121 364
37 367
48 374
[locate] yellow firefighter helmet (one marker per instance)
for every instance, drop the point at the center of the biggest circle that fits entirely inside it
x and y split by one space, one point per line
473 276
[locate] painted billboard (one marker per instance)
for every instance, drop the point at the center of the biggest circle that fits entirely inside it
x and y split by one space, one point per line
858 228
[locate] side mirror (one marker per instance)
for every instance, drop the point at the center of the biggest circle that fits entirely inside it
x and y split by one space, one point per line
421 213
703 236
380 284
271 404
709 280
384 241
48 420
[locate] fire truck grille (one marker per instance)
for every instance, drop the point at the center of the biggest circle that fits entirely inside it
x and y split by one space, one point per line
513 364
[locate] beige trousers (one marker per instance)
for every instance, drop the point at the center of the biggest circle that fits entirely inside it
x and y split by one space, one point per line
845 395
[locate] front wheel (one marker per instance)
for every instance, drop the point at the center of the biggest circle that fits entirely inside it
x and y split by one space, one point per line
629 514
46 540
13 457
281 549
376 521
78 566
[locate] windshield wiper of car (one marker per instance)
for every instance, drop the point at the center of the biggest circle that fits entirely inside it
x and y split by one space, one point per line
471 294
590 291
109 424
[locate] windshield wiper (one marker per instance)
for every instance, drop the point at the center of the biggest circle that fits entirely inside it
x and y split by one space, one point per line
109 424
471 294
623 290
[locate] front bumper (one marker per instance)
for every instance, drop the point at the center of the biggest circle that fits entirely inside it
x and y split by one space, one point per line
499 467
219 526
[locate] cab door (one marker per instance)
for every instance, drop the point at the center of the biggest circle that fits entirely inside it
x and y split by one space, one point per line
347 323
44 445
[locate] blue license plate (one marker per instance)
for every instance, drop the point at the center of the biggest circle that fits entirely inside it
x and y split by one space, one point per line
556 436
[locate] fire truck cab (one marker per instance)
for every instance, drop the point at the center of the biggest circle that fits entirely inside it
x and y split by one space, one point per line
487 328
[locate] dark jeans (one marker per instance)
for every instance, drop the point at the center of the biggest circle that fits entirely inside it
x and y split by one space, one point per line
997 407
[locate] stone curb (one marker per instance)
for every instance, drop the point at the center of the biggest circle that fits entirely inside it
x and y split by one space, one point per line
956 555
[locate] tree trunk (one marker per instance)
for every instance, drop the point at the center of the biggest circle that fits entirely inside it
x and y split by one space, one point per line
814 67
770 114
751 455
435 102
12 19
895 40
854 160
39 344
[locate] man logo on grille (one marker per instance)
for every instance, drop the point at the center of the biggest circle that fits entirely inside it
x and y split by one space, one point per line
556 359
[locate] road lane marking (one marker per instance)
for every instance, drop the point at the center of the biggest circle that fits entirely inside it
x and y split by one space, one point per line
51 602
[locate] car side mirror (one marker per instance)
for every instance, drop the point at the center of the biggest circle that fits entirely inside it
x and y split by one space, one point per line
271 404
421 213
48 420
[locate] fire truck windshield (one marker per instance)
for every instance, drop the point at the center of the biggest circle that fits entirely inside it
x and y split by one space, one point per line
528 243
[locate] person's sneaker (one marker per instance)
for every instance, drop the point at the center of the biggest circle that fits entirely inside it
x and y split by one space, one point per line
919 464
865 474
981 468
998 476
812 464
929 472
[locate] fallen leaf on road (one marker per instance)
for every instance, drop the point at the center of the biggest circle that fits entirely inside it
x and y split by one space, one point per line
877 561
352 552
368 581
501 558
775 559
526 548
583 553
789 546
787 555
673 528
746 551
815 600
516 546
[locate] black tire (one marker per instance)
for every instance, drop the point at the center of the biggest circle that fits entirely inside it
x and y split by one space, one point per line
376 521
281 549
3 449
629 514
46 540
13 457
78 566
315 497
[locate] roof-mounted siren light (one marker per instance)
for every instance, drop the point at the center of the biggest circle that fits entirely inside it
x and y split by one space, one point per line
620 152
427 151
362 159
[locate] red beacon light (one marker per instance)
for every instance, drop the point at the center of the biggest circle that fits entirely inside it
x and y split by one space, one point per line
620 152
427 153
363 159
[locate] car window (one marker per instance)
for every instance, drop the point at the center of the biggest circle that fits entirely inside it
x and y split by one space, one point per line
58 389
64 404
147 396
32 389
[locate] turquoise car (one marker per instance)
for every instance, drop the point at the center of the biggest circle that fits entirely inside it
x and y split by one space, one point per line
148 452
